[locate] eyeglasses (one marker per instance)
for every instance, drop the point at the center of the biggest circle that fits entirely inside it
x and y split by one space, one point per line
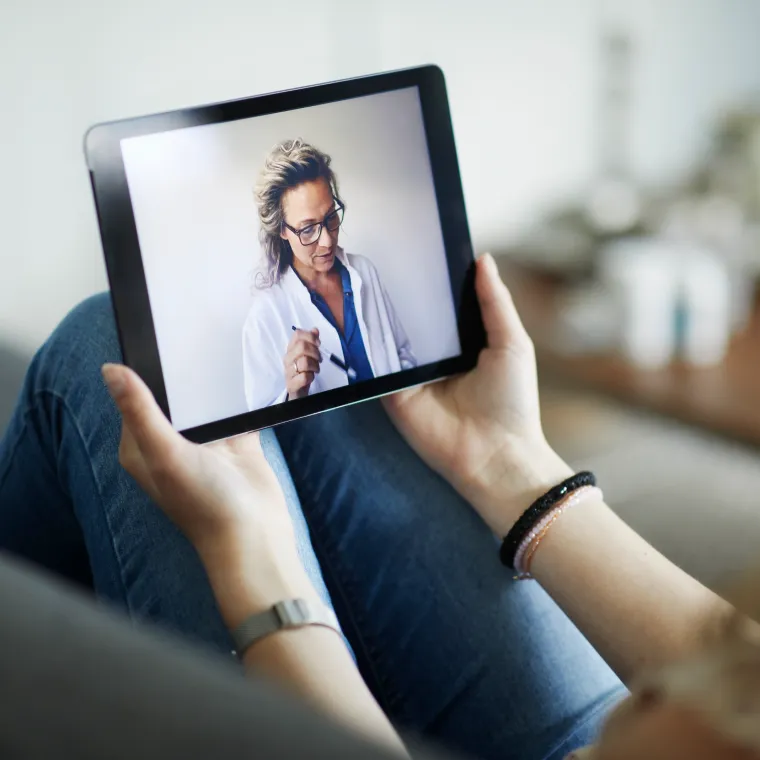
311 233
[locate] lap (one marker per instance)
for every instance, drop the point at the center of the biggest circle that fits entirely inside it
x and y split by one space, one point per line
447 640
449 645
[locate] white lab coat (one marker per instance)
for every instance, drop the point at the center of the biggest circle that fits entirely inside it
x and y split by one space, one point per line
268 330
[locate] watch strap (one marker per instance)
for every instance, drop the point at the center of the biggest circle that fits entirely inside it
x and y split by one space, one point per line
291 613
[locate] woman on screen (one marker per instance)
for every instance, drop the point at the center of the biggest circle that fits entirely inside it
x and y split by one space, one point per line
321 318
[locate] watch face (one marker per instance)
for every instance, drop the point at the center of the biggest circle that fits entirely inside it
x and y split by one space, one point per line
293 612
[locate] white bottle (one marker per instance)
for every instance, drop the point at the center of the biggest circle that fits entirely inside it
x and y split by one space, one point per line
642 276
706 292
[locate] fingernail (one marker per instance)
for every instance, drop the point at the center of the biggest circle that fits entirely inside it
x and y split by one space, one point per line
114 379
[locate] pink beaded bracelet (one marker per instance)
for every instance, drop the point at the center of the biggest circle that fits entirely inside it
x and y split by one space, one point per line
529 544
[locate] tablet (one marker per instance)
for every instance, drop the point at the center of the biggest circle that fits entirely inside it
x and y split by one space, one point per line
285 254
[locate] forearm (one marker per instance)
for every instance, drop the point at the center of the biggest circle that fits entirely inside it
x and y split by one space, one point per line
315 664
312 662
635 606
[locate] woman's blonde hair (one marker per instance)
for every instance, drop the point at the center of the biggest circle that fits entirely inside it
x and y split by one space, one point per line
287 165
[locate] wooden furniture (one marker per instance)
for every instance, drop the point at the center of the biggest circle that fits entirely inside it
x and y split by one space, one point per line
724 400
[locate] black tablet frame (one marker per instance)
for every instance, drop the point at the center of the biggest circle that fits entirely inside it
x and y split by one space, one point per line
126 274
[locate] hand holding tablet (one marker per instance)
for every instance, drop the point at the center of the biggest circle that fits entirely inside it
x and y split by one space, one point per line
336 210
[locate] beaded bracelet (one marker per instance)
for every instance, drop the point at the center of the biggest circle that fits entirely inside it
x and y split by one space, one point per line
528 547
538 509
543 522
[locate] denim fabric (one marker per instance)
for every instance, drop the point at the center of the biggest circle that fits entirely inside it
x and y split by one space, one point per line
62 490
449 644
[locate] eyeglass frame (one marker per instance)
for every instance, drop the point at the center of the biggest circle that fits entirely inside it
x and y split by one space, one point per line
340 207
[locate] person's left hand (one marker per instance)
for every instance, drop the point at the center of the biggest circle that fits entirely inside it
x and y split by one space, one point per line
223 496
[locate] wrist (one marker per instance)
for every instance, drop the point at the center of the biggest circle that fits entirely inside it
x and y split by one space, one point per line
519 474
250 576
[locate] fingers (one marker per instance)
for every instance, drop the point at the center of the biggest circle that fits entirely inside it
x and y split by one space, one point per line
395 401
303 343
500 317
134 463
308 336
143 420
300 382
303 364
302 360
301 348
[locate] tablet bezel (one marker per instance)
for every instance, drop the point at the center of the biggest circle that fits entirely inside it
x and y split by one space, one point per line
126 275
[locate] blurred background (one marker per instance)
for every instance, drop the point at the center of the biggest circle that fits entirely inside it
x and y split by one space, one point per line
610 154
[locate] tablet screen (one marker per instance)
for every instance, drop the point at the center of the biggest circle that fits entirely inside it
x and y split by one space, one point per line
290 254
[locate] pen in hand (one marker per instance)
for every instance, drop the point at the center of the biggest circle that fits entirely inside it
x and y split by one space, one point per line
334 359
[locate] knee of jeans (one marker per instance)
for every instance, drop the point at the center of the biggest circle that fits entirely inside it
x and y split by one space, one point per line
84 341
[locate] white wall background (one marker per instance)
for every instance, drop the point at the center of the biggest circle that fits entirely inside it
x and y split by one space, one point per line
522 79
192 194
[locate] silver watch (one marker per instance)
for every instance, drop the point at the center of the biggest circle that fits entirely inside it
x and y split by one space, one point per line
292 613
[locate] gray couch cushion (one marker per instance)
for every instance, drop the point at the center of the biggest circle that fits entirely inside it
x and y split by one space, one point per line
78 682
13 365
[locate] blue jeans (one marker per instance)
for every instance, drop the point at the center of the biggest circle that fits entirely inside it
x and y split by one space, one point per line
450 646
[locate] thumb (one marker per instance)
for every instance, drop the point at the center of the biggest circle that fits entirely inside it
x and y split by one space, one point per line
500 317
150 430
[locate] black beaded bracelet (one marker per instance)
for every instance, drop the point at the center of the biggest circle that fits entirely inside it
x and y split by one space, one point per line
536 510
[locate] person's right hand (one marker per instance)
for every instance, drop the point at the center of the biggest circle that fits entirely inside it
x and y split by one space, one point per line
301 362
